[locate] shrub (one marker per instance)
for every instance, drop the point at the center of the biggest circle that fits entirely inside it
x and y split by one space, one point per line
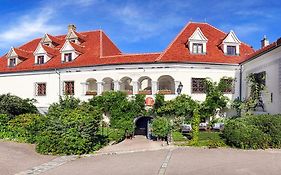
71 131
270 125
13 105
161 127
121 110
26 127
241 134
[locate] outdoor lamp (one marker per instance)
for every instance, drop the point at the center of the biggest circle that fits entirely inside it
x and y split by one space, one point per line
179 89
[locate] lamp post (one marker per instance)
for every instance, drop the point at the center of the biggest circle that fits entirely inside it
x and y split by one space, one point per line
179 89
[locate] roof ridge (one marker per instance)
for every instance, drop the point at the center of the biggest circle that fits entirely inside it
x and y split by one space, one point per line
170 45
103 32
132 54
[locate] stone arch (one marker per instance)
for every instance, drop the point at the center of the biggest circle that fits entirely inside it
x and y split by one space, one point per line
144 85
126 85
142 125
166 84
108 84
91 86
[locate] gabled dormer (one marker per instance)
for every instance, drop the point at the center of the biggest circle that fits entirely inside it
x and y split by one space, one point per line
43 54
197 42
70 51
74 36
16 56
231 44
49 40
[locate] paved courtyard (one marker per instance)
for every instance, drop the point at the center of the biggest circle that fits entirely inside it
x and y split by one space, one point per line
16 157
143 158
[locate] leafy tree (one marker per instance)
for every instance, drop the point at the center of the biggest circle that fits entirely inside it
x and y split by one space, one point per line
161 127
14 105
71 131
121 110
215 98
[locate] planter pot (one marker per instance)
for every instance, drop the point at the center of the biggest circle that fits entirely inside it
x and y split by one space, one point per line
165 92
145 92
91 93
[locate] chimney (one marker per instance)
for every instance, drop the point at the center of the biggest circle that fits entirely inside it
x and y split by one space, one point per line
264 42
71 27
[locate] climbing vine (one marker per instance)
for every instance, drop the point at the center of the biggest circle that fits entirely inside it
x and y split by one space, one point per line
256 82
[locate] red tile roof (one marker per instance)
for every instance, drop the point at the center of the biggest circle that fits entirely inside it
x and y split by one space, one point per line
98 49
55 39
262 51
178 52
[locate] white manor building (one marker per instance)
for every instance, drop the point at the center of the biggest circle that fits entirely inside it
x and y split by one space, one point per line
84 64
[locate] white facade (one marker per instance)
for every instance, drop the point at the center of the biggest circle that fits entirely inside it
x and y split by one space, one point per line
269 62
23 83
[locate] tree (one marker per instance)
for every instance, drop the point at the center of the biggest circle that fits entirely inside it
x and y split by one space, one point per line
215 98
14 105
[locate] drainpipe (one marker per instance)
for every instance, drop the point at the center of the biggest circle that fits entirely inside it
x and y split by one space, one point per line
240 83
58 73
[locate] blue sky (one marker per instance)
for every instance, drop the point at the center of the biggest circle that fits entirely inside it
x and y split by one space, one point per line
140 25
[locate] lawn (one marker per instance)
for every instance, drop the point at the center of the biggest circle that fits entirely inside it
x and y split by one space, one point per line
206 138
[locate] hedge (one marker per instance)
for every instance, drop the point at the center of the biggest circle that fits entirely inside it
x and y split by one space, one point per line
254 132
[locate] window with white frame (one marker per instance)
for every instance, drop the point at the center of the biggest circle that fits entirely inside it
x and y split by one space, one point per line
231 50
12 62
67 57
197 48
40 59
40 89
69 87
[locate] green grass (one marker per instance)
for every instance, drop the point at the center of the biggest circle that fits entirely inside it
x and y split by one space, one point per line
207 139
178 137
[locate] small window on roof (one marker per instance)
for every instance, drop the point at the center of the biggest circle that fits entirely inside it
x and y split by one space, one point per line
40 59
67 57
12 62
197 48
231 50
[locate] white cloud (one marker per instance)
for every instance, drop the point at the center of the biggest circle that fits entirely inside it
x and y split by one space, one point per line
142 22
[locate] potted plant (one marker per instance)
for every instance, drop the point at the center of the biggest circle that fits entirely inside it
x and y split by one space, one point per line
164 91
145 92
91 93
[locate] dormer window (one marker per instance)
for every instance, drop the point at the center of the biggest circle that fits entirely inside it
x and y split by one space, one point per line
197 48
40 59
231 44
16 56
67 57
70 51
43 54
74 40
12 62
231 50
197 42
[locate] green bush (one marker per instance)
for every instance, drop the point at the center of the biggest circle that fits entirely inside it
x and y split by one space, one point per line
241 134
71 131
161 127
26 127
121 110
13 105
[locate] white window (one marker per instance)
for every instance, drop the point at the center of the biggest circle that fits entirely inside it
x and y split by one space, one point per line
12 62
231 50
197 42
231 44
67 57
197 48
40 59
